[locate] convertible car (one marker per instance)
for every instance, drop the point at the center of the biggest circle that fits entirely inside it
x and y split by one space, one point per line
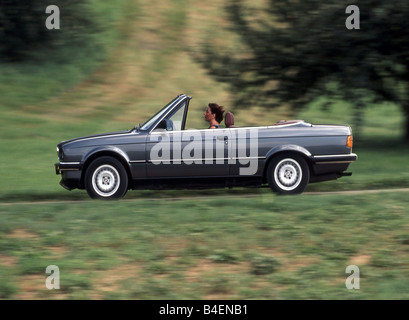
162 154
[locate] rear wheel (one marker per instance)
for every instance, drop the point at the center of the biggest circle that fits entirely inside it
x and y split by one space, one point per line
288 174
106 178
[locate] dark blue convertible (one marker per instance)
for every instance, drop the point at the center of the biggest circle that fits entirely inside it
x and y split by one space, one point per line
162 154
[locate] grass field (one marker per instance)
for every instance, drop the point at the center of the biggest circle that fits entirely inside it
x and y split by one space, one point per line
243 244
260 247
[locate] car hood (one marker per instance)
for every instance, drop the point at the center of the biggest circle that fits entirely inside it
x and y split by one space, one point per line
95 137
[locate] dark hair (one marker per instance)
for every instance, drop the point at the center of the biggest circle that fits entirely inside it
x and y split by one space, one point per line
217 110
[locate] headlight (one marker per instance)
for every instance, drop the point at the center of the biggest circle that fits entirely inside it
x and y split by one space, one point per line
59 154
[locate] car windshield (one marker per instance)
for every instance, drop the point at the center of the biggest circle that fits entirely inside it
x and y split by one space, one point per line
152 120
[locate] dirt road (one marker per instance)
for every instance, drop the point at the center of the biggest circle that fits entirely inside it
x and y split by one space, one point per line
351 192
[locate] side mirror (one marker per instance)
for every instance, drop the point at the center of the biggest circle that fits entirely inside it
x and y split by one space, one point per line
169 125
165 124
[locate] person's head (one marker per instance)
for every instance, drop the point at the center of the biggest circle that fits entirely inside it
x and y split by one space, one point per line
214 111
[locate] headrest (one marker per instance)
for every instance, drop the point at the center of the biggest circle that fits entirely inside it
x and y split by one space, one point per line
229 120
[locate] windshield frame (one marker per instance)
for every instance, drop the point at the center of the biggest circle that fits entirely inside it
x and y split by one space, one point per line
162 113
147 124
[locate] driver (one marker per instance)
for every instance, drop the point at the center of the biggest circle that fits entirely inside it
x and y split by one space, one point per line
214 115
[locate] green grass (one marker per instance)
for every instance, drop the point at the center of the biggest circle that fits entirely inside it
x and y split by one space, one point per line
293 248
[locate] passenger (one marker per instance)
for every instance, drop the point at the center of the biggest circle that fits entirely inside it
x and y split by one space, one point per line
214 115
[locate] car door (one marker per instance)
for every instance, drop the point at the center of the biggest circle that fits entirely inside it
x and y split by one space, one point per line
172 151
244 152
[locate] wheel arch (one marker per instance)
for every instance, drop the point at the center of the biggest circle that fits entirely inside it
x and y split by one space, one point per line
111 152
287 149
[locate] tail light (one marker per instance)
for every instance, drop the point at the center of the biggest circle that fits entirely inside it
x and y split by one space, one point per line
350 141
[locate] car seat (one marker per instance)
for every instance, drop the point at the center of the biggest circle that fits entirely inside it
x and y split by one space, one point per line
229 120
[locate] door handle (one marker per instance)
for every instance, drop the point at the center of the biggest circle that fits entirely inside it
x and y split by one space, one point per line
224 138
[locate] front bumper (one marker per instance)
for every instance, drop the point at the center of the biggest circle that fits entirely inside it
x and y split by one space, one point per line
70 174
67 166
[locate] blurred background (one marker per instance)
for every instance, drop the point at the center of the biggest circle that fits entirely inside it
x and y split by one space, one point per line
114 63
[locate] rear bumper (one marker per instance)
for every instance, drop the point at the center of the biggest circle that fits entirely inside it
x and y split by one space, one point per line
336 158
331 167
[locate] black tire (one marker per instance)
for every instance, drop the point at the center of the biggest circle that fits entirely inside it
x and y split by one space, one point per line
288 174
106 178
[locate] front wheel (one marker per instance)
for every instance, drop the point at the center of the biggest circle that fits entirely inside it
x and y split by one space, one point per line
106 178
288 174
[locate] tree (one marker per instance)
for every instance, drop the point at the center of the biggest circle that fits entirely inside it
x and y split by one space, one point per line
24 34
298 50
